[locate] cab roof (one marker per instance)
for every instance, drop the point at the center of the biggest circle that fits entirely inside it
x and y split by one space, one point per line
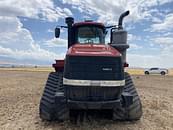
88 23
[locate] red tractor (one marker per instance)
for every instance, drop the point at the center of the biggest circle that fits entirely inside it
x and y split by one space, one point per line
91 77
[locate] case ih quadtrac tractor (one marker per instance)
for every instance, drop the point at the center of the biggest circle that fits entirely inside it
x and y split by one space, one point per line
91 77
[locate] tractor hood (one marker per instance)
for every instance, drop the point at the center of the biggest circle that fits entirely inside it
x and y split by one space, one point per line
92 50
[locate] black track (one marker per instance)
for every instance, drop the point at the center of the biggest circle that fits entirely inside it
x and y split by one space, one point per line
134 111
50 109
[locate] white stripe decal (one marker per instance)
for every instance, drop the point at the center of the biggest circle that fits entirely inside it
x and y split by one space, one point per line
74 82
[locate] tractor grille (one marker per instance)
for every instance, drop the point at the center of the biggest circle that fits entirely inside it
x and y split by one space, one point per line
93 68
90 93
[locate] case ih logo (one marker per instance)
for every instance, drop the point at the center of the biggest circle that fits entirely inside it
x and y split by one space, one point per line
107 69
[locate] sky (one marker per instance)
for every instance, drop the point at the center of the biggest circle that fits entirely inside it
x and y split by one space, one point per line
27 29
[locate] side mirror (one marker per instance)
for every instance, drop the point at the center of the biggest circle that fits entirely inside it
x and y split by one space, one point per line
57 32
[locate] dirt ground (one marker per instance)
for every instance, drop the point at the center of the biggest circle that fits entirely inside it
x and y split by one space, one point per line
20 94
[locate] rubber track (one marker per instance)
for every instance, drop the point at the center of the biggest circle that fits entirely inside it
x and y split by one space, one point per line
134 111
48 109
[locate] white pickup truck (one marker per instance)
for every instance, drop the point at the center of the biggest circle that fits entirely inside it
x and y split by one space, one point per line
161 71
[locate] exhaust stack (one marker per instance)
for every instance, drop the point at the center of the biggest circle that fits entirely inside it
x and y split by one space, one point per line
120 22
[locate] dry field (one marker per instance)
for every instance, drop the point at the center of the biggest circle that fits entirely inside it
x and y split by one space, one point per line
30 69
20 92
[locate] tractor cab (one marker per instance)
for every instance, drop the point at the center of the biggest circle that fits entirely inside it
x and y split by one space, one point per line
89 33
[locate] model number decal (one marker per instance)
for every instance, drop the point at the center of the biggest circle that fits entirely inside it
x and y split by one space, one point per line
107 69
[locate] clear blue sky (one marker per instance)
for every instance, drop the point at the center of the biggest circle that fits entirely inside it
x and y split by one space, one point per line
27 29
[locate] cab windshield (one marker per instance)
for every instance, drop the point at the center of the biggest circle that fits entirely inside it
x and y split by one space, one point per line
90 34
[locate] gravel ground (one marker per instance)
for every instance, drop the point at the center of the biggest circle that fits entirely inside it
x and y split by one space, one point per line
20 94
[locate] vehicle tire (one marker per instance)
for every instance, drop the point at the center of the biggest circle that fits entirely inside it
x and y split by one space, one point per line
49 108
147 73
162 73
134 111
